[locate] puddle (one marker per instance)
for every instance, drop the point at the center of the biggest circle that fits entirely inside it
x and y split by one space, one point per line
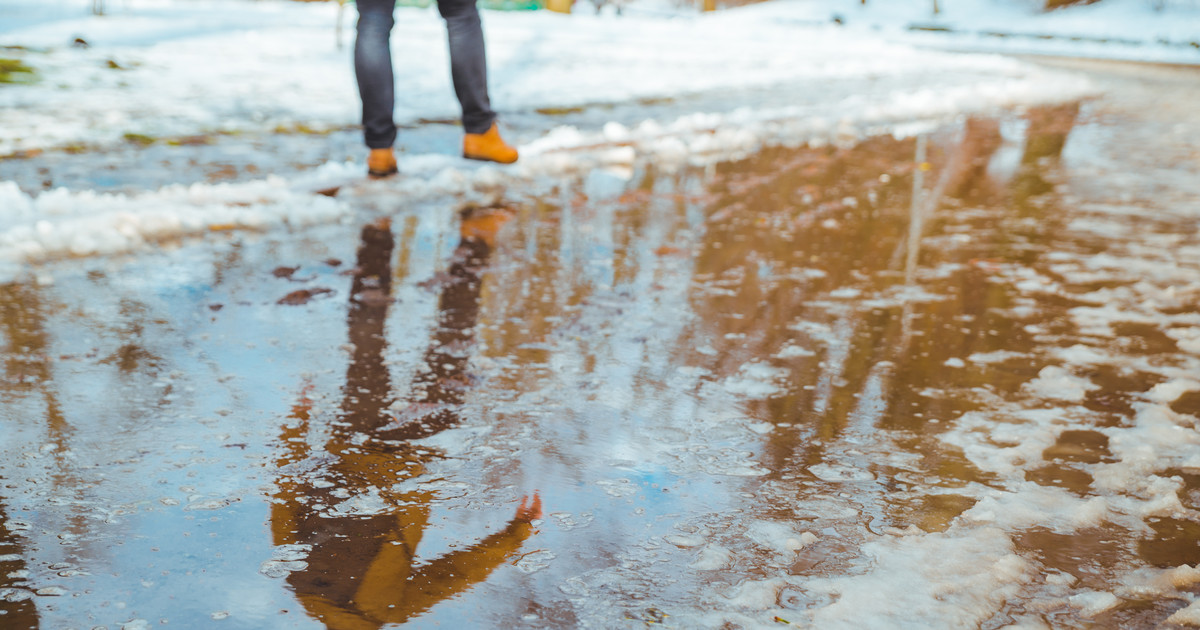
826 387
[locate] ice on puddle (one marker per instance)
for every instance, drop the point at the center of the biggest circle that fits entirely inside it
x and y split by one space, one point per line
567 521
759 594
1092 603
1061 579
954 362
535 561
1188 616
14 595
617 487
290 552
1080 354
208 504
366 504
756 381
943 580
832 472
761 428
281 568
779 538
998 356
684 541
1056 383
711 558
1009 445
1170 391
1187 339
1032 505
792 351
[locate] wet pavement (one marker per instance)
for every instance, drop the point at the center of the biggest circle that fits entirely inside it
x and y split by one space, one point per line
947 381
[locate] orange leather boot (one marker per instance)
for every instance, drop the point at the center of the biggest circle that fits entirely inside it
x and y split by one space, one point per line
381 163
489 147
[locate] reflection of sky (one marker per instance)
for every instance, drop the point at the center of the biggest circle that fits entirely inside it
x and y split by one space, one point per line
198 427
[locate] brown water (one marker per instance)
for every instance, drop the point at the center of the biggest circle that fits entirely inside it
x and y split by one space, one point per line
774 391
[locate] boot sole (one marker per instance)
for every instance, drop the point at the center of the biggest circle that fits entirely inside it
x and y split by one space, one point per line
381 174
486 159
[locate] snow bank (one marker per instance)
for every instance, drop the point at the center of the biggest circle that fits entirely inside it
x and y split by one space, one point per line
63 223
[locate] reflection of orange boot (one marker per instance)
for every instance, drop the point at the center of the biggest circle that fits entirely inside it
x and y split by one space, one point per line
381 163
489 147
483 224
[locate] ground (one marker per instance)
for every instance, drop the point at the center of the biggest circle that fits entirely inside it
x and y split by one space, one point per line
931 364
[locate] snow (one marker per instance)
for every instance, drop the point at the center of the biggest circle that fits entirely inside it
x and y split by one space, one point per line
1056 383
169 69
933 581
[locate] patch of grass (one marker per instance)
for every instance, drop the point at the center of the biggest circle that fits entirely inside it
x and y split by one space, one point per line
15 71
661 100
191 141
437 121
301 128
140 139
929 28
559 111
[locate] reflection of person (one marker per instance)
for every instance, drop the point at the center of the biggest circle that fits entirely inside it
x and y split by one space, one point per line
468 70
363 533
1049 127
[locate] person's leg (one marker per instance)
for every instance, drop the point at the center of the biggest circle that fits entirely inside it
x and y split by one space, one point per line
468 69
468 63
373 69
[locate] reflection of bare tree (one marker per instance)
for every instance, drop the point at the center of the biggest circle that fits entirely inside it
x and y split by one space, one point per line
361 571
29 373
17 609
132 355
843 215
28 365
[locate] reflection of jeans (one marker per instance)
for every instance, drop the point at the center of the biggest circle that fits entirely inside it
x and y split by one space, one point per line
373 67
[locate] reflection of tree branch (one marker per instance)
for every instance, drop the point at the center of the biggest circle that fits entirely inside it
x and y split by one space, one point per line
21 613
22 317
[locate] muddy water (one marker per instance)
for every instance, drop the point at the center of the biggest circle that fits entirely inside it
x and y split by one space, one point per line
936 382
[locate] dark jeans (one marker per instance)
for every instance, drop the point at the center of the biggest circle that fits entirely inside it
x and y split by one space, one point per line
376 83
